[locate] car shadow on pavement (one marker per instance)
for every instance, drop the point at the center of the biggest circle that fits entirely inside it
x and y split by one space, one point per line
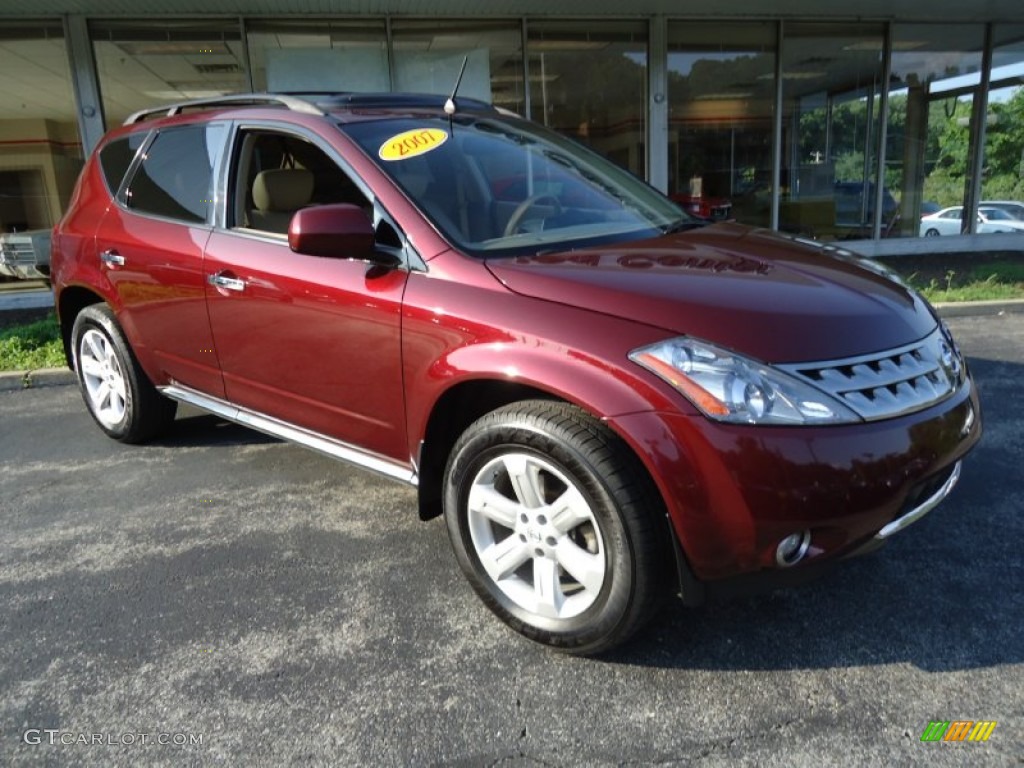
939 596
204 430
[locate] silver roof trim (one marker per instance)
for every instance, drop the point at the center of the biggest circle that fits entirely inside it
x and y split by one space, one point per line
293 103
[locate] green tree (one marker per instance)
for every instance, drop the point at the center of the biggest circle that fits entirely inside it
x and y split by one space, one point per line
1004 150
948 151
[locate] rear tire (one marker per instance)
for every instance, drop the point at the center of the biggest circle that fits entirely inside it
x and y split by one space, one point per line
557 526
120 397
932 233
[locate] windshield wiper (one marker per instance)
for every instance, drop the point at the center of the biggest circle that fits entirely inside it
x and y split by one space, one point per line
682 225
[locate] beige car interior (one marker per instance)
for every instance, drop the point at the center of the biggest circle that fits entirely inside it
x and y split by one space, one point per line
282 174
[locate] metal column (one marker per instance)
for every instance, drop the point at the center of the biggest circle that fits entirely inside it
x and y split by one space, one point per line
88 104
657 104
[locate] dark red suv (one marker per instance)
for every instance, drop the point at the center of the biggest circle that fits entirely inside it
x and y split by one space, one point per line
608 400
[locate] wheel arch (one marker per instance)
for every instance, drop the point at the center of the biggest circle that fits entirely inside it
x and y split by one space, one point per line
70 303
483 383
457 408
465 402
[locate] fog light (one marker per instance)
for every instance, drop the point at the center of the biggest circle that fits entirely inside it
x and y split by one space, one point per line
791 550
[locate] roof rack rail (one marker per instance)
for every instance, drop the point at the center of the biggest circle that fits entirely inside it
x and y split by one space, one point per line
170 110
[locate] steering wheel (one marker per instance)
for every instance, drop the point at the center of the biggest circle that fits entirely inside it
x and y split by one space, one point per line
519 214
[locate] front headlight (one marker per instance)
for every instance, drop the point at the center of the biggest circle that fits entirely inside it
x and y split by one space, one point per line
733 388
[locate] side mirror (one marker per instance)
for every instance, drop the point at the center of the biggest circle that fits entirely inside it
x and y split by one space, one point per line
339 231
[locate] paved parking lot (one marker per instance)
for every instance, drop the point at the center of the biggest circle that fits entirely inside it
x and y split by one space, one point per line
252 603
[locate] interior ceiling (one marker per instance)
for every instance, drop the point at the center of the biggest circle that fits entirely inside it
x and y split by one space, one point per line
36 81
932 10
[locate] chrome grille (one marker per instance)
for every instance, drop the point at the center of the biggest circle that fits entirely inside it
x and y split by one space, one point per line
889 383
25 254
18 251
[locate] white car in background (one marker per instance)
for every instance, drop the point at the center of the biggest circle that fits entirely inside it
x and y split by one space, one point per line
947 222
1013 207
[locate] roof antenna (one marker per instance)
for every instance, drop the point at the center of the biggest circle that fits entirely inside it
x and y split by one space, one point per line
449 106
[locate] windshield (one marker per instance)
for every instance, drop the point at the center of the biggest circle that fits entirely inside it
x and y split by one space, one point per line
501 186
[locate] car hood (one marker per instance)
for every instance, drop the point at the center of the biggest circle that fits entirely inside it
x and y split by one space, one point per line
751 290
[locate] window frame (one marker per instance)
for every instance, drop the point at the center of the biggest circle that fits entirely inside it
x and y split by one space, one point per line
121 196
129 170
236 163
227 175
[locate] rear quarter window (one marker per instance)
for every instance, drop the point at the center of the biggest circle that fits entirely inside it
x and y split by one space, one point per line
116 157
175 180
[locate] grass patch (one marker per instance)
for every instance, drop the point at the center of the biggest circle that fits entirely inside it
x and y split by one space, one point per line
995 281
1001 271
31 346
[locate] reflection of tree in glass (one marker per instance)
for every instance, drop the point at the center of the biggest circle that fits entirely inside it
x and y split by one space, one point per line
1004 150
741 75
593 98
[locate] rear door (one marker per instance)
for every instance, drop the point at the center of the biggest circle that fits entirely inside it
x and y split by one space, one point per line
309 340
150 244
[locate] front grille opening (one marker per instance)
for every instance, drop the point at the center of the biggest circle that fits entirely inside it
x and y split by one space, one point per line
887 384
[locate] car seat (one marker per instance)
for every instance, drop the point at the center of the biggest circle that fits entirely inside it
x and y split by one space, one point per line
277 194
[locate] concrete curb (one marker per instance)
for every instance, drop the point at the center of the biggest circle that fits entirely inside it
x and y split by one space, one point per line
57 377
41 377
976 308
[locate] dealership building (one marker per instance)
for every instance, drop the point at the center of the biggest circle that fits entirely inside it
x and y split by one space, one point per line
836 121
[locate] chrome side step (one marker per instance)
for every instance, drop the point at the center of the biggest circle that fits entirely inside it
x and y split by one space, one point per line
293 434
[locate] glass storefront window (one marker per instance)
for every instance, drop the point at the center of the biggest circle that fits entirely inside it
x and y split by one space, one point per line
310 56
142 64
428 56
40 148
721 95
831 78
936 71
589 81
1002 185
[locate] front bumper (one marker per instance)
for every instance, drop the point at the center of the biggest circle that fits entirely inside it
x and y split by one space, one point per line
917 512
734 492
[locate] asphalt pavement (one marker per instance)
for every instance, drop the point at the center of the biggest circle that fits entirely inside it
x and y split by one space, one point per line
221 598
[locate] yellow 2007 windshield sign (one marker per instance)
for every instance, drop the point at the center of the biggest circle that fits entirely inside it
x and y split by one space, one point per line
412 143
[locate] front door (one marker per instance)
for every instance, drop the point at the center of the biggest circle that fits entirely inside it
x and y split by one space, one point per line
309 340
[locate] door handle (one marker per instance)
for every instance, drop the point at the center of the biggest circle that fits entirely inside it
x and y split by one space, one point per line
222 280
112 258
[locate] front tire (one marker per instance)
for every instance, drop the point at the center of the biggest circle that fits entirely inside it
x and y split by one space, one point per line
120 397
557 526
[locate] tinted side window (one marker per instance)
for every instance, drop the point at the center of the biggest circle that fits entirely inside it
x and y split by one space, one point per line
117 156
175 179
